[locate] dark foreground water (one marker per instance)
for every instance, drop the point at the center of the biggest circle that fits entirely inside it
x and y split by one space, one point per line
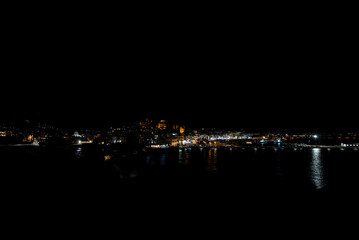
295 169
302 169
209 186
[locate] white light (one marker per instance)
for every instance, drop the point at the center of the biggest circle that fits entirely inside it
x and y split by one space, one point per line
315 136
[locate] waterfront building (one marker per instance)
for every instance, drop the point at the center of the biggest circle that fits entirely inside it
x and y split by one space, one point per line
162 125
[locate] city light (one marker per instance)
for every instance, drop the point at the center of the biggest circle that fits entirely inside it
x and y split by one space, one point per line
169 134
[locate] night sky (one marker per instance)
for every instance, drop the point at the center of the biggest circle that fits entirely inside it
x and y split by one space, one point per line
282 74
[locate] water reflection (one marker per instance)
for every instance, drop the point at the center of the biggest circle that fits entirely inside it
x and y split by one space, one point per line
163 159
148 160
285 168
180 156
317 174
183 156
78 152
212 160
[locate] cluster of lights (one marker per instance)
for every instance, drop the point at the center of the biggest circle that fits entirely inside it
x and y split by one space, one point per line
80 142
351 145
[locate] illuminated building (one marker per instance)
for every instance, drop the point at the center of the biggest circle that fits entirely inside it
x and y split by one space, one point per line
175 141
162 125
30 138
182 130
146 123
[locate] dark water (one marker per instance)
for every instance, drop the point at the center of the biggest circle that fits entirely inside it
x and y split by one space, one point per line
312 169
255 185
302 169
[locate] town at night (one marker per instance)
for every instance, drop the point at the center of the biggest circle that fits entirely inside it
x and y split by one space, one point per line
152 150
213 116
149 134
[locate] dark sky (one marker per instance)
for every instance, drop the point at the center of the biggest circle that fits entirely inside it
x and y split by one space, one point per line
291 73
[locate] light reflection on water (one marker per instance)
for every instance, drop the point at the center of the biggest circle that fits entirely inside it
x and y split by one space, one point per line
163 159
212 160
180 156
148 160
184 156
317 173
283 167
322 168
78 152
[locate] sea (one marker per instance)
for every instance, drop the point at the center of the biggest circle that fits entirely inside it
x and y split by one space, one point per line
286 168
202 185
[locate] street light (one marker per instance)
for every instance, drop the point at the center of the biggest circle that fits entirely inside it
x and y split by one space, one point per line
315 138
